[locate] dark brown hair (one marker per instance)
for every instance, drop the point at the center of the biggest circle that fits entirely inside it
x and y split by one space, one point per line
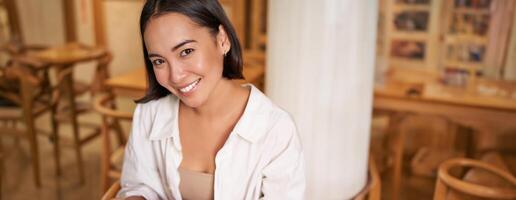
206 13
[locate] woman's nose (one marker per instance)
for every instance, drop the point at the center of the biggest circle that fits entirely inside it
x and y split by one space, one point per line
177 73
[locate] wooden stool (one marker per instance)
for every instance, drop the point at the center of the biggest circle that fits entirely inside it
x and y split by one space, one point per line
111 159
70 110
447 184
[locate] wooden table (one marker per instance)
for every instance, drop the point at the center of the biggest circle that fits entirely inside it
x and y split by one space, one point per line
463 106
134 83
466 107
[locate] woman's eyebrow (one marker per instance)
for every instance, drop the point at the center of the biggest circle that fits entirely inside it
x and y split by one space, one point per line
174 48
181 44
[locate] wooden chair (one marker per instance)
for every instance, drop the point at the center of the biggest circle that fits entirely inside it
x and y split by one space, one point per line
111 158
448 186
70 110
437 140
112 191
421 134
31 98
372 191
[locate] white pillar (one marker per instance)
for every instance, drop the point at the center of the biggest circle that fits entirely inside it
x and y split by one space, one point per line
320 58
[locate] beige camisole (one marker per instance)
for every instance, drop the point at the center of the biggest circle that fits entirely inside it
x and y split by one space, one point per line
195 185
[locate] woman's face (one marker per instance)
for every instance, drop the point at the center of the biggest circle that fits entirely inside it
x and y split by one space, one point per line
187 58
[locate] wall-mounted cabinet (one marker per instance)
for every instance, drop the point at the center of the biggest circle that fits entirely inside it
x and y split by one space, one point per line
467 38
411 33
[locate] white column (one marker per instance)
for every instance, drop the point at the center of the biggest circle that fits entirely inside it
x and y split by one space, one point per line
320 58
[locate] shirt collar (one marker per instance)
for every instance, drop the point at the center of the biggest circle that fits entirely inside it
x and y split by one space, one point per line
251 126
164 123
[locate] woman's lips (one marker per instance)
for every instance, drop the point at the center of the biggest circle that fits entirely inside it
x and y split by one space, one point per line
190 87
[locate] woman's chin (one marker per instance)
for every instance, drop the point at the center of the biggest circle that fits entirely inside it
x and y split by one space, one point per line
192 103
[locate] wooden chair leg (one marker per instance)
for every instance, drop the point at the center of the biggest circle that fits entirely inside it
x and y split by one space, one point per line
105 157
440 190
396 148
55 140
75 125
26 93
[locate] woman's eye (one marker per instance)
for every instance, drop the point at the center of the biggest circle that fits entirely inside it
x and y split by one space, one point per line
186 52
157 62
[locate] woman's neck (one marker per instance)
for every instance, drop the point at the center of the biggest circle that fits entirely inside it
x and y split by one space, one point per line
226 98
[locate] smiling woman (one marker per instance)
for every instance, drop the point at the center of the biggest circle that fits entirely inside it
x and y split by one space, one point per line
197 134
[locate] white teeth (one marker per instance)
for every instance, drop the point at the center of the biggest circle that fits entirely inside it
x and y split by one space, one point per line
189 87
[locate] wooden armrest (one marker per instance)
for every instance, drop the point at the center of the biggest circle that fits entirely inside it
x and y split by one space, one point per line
476 189
112 191
99 105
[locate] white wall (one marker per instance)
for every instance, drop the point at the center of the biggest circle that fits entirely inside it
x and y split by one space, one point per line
123 34
41 21
320 60
510 63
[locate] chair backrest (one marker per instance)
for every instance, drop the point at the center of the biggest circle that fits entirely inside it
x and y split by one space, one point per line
447 183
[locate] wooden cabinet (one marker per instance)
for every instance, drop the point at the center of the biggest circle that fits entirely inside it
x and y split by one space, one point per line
411 33
461 39
465 40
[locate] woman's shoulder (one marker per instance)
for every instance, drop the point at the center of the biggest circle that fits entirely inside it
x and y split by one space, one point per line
278 121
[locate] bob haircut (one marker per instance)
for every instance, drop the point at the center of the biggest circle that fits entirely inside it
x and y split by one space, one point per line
206 13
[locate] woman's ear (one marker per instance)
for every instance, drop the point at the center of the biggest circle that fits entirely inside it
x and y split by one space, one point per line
223 40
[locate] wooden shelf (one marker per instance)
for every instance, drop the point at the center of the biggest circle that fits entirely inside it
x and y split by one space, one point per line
410 7
463 38
464 65
472 11
410 35
406 62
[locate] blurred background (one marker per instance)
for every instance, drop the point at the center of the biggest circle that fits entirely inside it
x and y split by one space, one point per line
441 123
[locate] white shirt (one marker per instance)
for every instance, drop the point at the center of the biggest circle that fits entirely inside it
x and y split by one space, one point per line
261 159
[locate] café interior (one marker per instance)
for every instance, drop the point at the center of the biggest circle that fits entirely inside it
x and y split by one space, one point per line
442 116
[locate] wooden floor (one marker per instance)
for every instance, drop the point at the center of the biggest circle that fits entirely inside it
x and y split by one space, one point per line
18 181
